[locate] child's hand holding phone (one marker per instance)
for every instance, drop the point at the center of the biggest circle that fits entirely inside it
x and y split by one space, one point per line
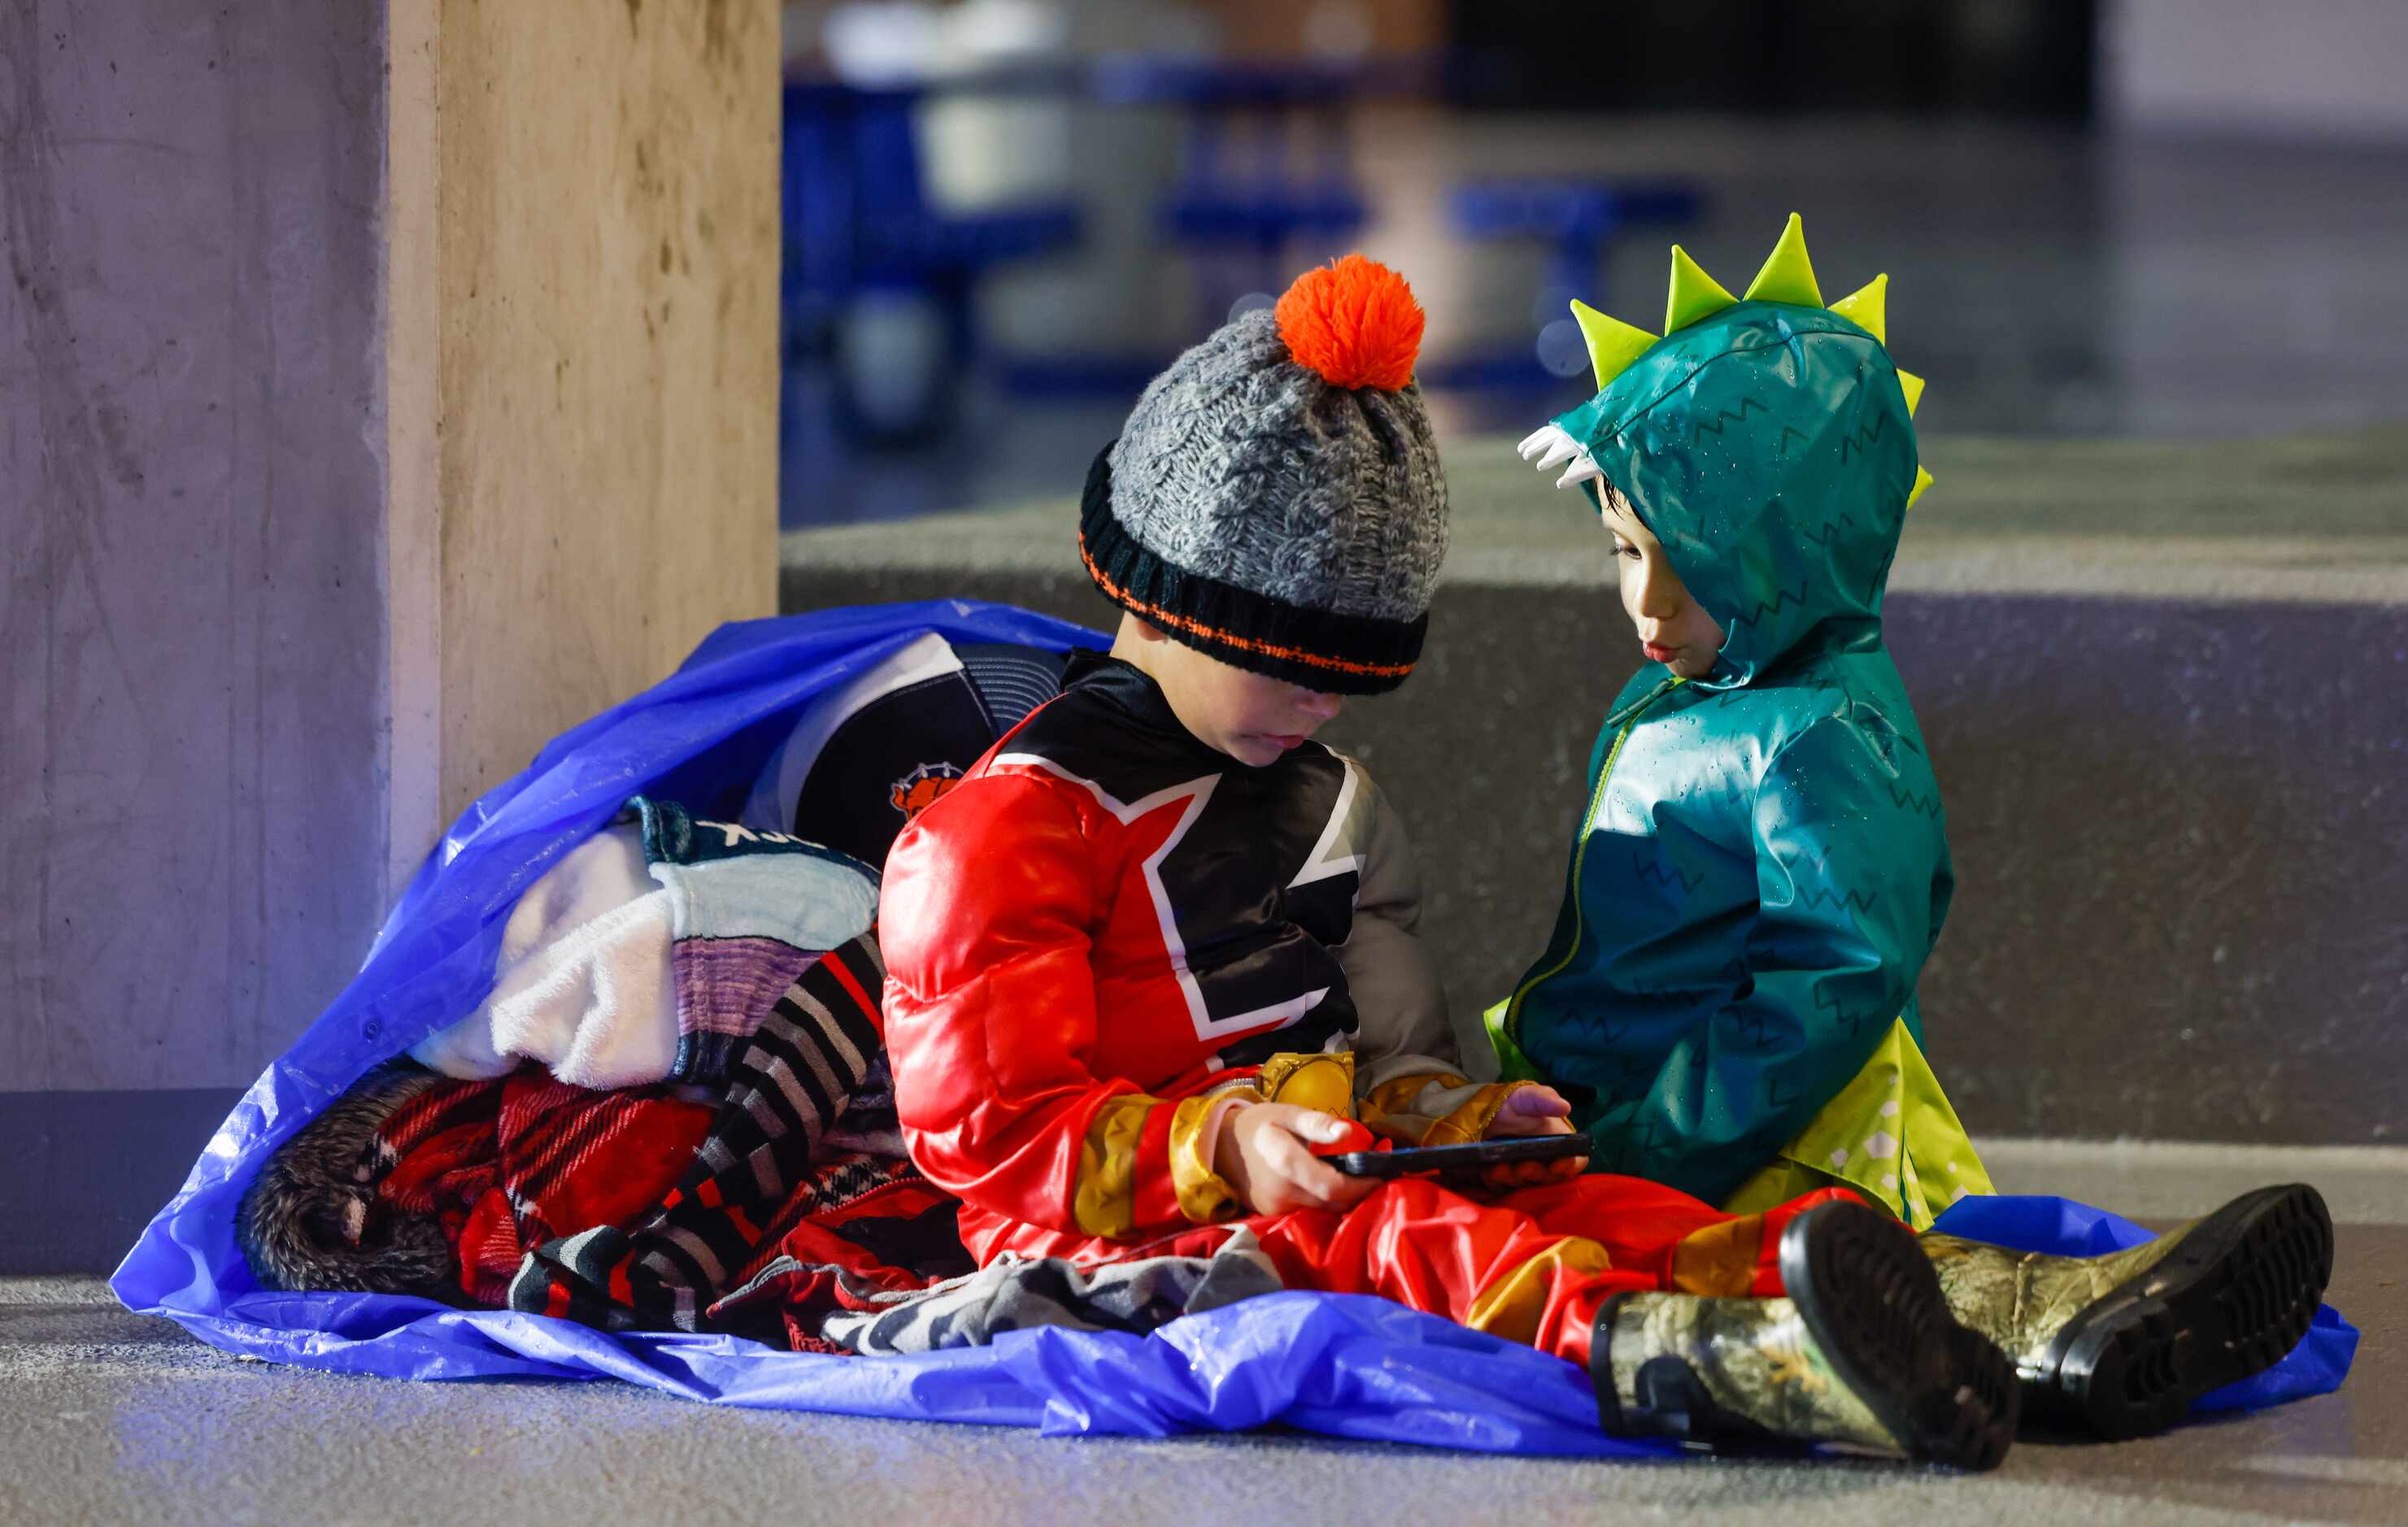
1267 1153
1531 1111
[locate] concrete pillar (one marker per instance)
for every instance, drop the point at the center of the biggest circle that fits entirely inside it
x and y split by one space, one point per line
383 389
604 310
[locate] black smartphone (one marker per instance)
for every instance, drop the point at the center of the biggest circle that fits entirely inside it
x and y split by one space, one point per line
1405 1160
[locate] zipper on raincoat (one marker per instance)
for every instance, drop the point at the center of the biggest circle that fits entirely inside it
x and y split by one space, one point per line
1507 1028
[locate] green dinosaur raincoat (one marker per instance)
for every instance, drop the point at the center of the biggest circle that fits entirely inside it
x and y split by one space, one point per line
1728 995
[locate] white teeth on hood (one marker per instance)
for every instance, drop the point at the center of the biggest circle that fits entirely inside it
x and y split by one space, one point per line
1536 441
1549 446
1562 451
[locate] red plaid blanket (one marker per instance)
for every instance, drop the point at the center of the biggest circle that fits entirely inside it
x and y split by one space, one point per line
506 1168
657 1207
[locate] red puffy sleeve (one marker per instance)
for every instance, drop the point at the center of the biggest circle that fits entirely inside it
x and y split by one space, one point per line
990 903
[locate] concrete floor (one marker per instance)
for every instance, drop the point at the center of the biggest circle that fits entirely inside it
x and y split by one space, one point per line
109 1417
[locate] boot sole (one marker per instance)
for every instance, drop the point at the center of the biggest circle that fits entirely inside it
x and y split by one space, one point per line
1874 1307
2229 1302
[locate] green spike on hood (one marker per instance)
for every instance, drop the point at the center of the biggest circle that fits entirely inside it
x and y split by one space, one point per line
1769 447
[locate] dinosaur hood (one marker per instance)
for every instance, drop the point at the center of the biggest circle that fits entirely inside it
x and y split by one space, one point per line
1769 446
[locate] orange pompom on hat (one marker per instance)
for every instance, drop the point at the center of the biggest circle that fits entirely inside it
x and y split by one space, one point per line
1354 321
1275 499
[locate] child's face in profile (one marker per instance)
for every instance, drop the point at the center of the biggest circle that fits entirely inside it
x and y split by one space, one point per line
1248 716
1674 629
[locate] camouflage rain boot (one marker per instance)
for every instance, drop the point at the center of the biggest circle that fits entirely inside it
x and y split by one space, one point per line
1862 1354
2122 1344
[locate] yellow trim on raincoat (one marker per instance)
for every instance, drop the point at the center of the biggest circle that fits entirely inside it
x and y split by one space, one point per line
1890 1135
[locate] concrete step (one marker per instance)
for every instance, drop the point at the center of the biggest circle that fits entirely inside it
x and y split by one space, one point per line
2166 686
2182 1179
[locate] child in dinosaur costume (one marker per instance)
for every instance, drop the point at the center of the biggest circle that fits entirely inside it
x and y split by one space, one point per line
1728 997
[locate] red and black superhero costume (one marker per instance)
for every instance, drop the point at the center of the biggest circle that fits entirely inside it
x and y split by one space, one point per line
1108 935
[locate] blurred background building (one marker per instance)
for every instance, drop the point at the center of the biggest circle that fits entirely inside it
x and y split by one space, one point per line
2107 218
2153 616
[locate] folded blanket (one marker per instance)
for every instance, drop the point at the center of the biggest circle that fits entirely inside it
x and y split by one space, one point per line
652 949
583 983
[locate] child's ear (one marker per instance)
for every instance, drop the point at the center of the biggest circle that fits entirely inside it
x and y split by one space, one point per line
1143 630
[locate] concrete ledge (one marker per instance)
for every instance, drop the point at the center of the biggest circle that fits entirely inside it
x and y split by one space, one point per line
86 1171
2167 1179
2176 754
2293 520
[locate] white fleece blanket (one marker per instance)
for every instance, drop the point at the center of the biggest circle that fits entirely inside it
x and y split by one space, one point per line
585 982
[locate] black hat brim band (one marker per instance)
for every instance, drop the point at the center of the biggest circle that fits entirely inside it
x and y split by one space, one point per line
1321 650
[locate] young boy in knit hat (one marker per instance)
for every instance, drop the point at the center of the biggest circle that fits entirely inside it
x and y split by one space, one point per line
1153 957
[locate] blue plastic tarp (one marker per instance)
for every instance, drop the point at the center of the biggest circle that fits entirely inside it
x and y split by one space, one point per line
1340 1364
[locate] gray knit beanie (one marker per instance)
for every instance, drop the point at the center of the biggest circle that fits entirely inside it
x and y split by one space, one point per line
1275 499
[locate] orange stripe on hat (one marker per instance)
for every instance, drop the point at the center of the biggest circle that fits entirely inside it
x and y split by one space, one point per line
1245 644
